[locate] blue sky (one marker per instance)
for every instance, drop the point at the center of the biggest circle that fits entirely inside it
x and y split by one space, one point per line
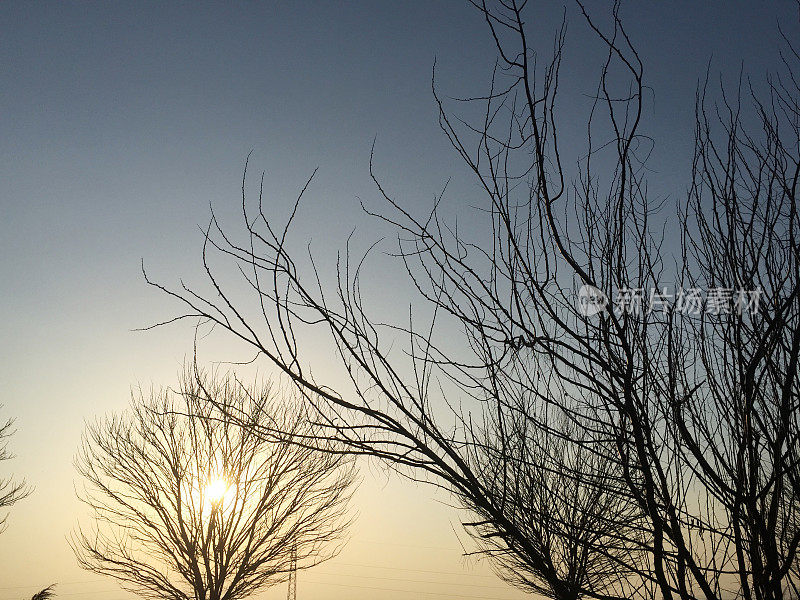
122 122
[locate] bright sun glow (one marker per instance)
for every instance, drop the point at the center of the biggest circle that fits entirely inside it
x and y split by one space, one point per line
216 490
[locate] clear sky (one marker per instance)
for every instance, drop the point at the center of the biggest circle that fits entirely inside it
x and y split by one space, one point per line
121 122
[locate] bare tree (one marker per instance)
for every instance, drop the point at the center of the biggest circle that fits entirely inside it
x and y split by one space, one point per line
190 505
736 372
10 491
606 453
45 594
554 507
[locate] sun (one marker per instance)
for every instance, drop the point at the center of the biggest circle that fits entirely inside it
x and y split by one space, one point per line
216 490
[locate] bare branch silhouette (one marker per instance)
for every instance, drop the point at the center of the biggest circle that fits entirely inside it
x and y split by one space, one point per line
46 593
638 452
11 491
192 504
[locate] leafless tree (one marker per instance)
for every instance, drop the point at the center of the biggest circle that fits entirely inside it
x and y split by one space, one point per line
190 505
45 594
736 373
10 490
614 453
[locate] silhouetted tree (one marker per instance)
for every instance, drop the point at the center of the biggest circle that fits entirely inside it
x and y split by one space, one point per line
190 505
633 450
10 491
734 374
45 594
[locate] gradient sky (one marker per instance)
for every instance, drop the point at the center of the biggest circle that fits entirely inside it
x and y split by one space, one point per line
121 123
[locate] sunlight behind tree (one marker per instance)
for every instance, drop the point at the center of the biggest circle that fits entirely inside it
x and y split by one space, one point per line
191 504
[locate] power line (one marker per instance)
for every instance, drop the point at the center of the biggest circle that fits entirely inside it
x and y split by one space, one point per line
348 564
383 589
59 594
92 592
329 583
383 543
460 574
31 585
493 587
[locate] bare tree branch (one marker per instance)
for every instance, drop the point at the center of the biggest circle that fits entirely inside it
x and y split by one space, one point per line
193 499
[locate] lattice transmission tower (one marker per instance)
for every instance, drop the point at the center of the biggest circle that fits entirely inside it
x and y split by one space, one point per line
292 595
